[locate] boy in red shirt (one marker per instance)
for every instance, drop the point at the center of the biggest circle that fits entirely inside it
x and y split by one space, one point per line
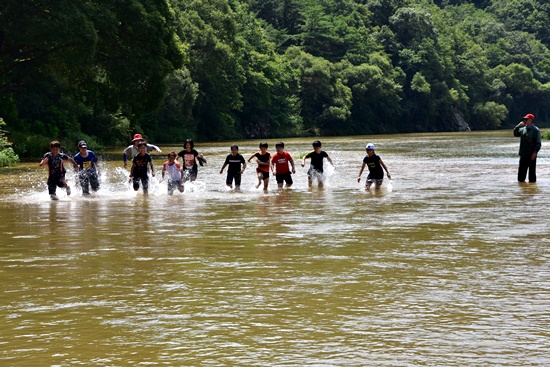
279 165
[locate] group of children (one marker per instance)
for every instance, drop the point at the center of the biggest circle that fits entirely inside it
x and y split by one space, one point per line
84 162
280 164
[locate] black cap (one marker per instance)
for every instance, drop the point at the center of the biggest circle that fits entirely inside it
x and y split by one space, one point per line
82 144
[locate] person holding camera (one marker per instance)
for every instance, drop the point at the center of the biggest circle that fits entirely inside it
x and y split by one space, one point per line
529 147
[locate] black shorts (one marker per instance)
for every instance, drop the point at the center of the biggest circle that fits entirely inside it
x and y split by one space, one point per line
377 181
233 176
265 175
190 174
286 177
144 182
55 181
312 173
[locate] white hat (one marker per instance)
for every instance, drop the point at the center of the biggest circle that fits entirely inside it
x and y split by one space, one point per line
370 146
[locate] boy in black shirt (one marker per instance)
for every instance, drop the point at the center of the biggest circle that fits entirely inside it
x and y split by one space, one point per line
316 169
234 172
138 171
56 178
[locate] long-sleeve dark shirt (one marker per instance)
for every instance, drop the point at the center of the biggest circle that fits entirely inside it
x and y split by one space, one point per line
529 139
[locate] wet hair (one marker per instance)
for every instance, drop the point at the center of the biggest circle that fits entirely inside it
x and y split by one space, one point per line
316 144
190 142
142 144
235 146
55 144
263 144
279 144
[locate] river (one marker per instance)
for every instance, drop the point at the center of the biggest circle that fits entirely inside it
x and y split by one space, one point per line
446 265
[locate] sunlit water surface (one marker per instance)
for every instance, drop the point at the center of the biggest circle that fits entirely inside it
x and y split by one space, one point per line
446 265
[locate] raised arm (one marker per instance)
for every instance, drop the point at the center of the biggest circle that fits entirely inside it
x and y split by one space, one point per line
43 161
154 147
516 129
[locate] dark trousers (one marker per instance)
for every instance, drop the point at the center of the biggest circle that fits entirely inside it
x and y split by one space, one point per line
88 179
526 163
55 181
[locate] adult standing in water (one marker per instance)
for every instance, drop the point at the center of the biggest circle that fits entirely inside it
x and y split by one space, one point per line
131 151
529 146
190 157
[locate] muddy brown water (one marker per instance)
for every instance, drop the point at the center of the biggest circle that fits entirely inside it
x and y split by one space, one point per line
446 265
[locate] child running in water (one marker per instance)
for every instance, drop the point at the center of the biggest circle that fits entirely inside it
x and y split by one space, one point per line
175 176
316 167
56 178
234 172
279 165
190 157
262 171
138 172
88 173
375 165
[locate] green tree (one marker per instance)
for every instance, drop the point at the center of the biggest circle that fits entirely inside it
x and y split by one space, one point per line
325 99
489 115
64 63
376 95
7 155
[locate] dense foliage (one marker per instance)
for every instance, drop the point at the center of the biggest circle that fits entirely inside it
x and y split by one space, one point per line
222 69
7 155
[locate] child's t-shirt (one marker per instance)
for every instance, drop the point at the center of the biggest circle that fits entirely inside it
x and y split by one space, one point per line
86 163
263 158
317 159
375 168
234 163
141 163
281 162
173 170
189 161
55 163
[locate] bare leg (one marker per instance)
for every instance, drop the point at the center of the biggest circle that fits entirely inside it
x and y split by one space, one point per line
260 176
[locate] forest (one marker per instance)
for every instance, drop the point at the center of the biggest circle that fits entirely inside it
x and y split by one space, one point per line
235 69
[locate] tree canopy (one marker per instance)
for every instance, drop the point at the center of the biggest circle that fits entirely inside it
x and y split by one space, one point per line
225 69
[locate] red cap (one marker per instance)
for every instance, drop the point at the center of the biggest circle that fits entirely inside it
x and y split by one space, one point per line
137 137
529 116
